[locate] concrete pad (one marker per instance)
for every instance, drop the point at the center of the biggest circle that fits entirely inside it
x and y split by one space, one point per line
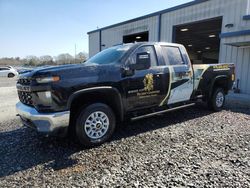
238 99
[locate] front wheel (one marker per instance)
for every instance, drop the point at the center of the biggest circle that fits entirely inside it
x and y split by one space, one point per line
11 75
217 100
95 124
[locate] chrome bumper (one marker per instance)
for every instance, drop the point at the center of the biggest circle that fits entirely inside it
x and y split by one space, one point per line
47 123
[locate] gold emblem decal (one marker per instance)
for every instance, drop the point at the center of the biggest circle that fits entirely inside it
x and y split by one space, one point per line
148 82
148 90
221 66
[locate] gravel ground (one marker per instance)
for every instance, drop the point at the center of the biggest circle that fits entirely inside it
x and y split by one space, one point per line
7 82
188 148
8 98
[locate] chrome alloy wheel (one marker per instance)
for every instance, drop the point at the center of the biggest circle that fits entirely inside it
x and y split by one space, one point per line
96 125
219 99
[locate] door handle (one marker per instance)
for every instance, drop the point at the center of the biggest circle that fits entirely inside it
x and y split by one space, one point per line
187 73
158 74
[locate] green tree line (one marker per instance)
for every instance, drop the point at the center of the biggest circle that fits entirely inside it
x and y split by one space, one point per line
31 60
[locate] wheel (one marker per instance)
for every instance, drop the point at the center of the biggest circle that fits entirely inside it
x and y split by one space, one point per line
217 100
11 75
95 124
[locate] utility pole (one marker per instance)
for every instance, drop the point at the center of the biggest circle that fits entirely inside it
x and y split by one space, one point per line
75 53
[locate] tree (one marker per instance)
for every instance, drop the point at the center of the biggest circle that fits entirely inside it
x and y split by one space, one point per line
32 60
46 60
81 57
64 59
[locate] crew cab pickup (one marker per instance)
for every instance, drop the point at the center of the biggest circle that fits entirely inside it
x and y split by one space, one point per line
124 82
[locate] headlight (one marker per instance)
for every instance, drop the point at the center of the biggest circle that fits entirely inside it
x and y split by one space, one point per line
43 80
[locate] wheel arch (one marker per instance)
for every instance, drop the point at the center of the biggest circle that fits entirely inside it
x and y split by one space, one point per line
105 94
219 81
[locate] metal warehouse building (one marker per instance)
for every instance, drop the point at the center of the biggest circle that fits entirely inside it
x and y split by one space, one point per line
212 31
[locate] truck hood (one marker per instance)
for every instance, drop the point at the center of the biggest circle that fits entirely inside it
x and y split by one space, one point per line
74 71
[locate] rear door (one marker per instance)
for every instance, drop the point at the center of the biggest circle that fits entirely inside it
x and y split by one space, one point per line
181 77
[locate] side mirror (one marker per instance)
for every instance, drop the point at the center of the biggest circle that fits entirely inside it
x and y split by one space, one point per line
142 61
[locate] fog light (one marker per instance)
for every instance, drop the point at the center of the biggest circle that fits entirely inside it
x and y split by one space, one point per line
45 97
48 94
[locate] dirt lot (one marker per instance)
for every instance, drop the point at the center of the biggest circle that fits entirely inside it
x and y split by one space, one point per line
191 147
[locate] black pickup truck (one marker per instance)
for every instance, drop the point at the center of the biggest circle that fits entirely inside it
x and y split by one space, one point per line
124 82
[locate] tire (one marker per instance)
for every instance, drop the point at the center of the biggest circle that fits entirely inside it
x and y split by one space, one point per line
95 124
217 100
11 75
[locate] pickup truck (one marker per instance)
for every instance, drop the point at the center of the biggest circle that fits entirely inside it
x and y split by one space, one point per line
124 82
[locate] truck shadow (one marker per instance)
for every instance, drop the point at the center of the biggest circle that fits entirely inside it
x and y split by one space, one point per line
21 149
160 121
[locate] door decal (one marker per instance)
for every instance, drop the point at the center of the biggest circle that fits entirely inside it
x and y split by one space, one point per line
199 70
148 89
181 85
164 101
148 82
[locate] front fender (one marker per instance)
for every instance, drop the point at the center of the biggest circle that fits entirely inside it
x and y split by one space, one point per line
100 89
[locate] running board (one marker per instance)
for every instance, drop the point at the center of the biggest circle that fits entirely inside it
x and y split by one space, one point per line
163 111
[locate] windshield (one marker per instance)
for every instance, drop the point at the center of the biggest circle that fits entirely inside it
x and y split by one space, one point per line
109 55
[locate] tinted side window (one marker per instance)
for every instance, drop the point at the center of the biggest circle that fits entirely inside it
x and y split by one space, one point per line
172 55
4 69
150 50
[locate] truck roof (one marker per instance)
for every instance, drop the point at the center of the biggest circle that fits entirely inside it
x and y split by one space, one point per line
152 43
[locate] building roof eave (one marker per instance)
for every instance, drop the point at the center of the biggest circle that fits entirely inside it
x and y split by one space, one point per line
152 14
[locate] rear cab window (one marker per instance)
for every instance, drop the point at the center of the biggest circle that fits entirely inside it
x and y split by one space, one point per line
172 55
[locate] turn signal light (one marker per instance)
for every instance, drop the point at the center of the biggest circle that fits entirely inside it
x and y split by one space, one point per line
43 80
233 77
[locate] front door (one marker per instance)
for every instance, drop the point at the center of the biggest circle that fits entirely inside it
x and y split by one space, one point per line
146 88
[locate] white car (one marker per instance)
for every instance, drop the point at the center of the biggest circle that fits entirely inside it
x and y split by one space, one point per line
8 71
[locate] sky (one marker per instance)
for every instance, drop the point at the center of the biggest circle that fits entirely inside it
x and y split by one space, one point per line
52 27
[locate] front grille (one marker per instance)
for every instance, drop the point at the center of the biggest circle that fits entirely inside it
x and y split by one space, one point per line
24 81
25 97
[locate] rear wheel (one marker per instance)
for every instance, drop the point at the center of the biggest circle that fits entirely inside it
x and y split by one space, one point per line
95 124
11 75
217 100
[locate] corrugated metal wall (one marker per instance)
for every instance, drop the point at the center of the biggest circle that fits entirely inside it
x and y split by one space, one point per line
203 11
115 35
240 56
232 12
94 43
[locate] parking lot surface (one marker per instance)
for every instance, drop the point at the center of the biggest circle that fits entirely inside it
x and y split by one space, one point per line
192 147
